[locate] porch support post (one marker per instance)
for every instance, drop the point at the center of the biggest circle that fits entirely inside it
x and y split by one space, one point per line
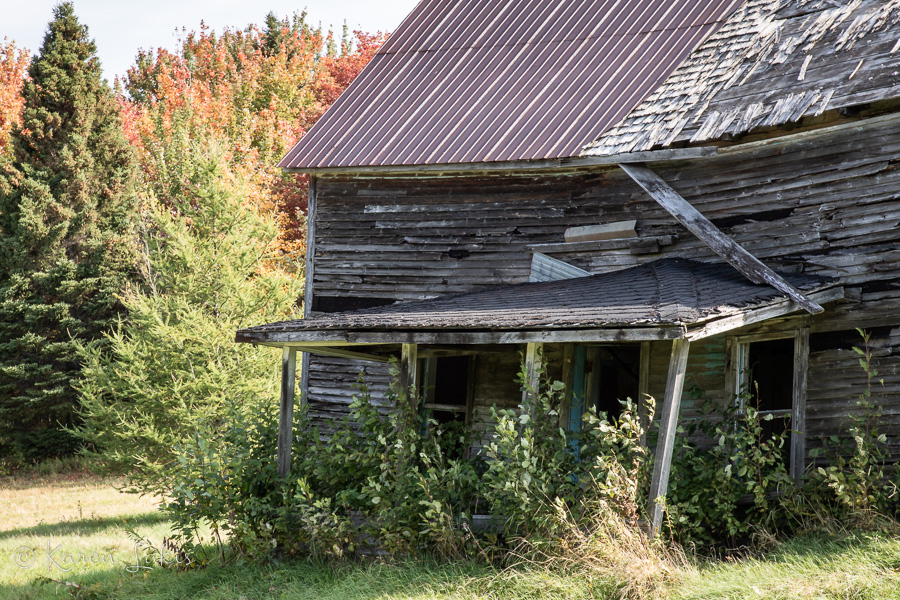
534 357
286 414
662 463
409 358
645 417
798 410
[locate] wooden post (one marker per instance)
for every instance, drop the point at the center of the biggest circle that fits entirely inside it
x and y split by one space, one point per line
643 405
662 463
409 359
709 234
286 415
798 406
568 370
534 356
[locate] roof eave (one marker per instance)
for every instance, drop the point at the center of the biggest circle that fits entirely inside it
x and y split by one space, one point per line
556 164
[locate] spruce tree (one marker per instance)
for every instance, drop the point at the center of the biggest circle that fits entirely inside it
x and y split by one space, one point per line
66 247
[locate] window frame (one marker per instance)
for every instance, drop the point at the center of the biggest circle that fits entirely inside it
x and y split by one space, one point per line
737 380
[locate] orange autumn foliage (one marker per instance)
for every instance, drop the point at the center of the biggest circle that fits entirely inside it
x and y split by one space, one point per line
13 65
256 90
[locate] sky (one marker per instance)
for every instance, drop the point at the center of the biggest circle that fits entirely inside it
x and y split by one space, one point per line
122 27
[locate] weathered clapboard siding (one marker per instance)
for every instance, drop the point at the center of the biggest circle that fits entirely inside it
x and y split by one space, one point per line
704 386
826 201
836 382
495 385
332 387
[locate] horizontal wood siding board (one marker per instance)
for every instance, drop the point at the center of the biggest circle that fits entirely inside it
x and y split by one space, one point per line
834 194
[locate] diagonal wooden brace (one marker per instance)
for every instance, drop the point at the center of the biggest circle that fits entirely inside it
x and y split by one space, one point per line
709 234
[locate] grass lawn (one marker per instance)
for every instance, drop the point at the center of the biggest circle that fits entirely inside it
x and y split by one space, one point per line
73 529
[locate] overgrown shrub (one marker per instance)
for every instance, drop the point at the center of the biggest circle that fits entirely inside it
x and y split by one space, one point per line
385 482
723 492
853 487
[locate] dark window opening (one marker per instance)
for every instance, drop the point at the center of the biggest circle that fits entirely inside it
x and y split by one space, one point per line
603 377
446 398
770 386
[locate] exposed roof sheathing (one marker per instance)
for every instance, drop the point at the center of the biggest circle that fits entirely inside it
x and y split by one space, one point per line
502 80
672 291
771 63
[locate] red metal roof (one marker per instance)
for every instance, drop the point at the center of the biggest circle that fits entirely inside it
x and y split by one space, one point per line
499 80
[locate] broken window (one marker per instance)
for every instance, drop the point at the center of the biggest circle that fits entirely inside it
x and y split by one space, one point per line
447 393
771 377
603 377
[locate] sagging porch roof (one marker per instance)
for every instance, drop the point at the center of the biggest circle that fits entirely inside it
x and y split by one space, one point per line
666 299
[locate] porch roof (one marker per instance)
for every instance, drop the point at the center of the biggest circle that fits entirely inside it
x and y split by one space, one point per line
665 299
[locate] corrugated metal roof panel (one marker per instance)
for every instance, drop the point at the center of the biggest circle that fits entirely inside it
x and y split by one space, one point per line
501 80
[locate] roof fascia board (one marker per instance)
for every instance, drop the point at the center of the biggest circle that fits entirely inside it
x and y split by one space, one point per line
343 337
729 250
559 164
749 317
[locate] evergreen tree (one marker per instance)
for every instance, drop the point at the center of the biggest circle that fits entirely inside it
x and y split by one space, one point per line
173 367
66 242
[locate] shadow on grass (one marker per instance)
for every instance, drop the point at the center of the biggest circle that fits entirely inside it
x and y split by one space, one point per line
84 526
295 580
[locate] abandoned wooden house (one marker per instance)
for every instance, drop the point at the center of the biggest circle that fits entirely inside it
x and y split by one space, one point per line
643 197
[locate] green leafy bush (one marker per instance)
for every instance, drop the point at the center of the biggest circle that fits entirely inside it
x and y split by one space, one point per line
384 482
724 492
172 364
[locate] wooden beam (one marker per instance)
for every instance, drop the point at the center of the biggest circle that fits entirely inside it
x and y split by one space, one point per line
662 463
339 352
721 244
558 164
798 406
764 313
286 413
605 231
409 367
310 248
534 366
348 337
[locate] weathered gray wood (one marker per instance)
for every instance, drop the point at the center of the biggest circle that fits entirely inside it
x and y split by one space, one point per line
409 372
331 351
824 200
308 280
286 412
798 407
605 231
545 268
534 358
344 338
601 245
749 317
520 166
643 401
662 462
721 244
